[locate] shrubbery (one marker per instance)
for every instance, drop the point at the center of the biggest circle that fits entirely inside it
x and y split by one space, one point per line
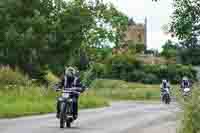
51 79
12 77
150 79
125 68
173 72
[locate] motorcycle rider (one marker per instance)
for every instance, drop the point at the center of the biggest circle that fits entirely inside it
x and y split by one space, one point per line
165 84
185 83
71 79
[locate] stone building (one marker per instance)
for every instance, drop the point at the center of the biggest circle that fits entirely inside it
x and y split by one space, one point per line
137 33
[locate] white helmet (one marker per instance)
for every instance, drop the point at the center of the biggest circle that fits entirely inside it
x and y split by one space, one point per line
164 81
185 78
70 71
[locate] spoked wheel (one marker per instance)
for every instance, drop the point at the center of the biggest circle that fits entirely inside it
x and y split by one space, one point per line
62 115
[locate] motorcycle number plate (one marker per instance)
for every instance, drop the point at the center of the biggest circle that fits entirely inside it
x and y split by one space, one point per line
65 95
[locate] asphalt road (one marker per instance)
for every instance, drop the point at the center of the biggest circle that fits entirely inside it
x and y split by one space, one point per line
121 117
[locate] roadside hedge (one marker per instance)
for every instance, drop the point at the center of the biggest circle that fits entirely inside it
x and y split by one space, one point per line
149 74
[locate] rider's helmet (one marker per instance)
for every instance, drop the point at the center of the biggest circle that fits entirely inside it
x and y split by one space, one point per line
70 71
185 78
185 81
164 81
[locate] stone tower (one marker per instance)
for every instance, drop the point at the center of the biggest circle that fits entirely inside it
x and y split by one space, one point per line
137 33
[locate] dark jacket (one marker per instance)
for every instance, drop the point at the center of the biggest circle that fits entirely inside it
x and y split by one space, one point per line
69 82
185 84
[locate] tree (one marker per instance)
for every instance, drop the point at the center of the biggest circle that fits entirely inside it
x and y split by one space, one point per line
46 34
169 50
186 26
186 18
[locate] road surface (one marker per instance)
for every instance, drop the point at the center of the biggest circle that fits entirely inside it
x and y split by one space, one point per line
121 117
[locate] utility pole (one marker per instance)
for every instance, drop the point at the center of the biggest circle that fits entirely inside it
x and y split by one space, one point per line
145 34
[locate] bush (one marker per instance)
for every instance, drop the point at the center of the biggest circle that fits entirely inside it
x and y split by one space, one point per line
150 79
120 65
136 76
125 67
51 78
88 76
140 48
173 72
150 74
9 76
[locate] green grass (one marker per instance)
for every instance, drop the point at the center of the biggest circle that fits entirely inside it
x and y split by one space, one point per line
25 101
31 100
19 96
90 100
191 115
121 90
34 100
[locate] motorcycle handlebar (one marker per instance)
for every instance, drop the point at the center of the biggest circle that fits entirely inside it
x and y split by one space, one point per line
71 90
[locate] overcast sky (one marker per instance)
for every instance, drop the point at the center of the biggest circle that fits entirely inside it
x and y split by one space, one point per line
158 14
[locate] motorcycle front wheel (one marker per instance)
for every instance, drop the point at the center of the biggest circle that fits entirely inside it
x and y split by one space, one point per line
68 124
168 99
62 115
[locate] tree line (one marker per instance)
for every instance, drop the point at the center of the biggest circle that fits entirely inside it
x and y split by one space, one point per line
50 34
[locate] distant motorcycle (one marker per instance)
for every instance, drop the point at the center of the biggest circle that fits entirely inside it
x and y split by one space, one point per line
66 107
166 96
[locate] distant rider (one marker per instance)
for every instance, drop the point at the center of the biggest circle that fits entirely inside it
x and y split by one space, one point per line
185 83
165 84
71 79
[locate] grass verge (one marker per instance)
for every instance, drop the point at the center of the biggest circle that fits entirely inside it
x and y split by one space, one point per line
121 90
31 100
24 101
191 112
